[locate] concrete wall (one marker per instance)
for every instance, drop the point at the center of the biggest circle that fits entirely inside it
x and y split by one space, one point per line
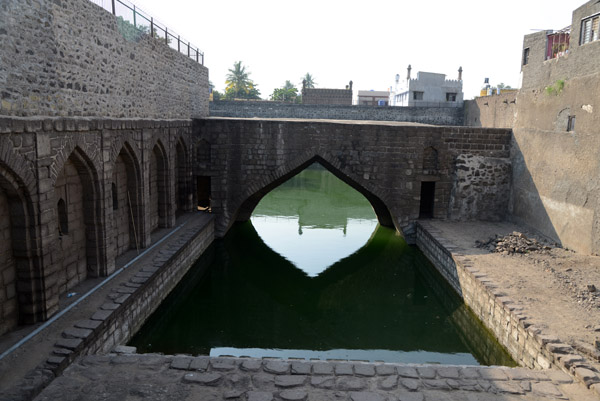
72 58
423 115
496 111
554 171
57 177
385 162
556 177
581 60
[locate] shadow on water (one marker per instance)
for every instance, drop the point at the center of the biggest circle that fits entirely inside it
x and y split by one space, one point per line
384 302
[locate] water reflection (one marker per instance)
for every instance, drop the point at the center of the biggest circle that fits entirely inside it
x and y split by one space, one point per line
346 289
314 219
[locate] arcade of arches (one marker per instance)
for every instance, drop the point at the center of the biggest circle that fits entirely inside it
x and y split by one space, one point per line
73 200
75 194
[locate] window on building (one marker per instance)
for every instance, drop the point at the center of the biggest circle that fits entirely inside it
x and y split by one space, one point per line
571 123
589 29
417 95
526 56
451 97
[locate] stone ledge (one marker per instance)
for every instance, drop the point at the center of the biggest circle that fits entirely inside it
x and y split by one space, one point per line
545 350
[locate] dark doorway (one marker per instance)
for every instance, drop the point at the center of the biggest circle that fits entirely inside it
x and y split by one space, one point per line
203 185
427 199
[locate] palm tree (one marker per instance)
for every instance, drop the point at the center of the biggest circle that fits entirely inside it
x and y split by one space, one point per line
308 81
239 84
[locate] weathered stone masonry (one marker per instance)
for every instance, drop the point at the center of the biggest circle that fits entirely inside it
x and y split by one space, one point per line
387 163
73 58
78 193
264 109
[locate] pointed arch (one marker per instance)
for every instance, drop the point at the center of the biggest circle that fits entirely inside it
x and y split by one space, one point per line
158 186
77 197
247 205
20 265
430 161
127 201
182 182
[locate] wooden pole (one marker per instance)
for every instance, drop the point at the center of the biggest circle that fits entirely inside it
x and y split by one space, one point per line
137 247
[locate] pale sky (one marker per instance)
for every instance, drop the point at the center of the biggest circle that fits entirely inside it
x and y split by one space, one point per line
338 41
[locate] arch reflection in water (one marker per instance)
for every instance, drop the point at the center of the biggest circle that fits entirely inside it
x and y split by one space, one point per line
314 219
383 302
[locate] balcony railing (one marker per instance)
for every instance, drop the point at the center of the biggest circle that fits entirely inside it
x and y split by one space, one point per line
129 16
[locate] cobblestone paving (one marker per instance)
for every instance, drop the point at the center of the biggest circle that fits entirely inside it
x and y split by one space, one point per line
158 377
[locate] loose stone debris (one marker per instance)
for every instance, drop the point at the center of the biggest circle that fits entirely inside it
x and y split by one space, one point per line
513 243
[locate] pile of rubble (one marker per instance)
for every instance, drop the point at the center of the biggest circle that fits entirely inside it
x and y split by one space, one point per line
513 243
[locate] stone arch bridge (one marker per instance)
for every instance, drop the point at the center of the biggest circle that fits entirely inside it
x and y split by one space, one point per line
76 193
404 170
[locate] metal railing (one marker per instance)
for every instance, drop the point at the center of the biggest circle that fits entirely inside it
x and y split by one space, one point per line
129 17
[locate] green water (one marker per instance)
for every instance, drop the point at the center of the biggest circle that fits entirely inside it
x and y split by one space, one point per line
312 275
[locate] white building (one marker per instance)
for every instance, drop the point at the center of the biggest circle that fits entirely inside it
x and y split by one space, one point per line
427 90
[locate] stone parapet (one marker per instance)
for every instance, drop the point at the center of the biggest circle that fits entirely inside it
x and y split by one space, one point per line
263 109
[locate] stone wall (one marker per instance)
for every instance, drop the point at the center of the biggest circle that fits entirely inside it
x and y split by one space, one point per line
481 188
423 115
73 58
496 111
494 310
57 177
327 96
386 162
555 123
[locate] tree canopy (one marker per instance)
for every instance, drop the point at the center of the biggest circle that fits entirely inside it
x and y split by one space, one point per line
287 93
239 84
308 81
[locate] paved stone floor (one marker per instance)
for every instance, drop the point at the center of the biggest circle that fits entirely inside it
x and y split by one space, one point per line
157 377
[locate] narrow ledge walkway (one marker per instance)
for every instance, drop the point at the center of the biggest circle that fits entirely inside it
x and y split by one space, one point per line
29 368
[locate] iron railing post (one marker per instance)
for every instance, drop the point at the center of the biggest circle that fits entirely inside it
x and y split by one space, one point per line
113 8
166 36
179 43
152 27
196 55
188 49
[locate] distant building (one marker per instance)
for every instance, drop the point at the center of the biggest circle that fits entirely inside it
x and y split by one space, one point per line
552 56
340 97
427 90
373 98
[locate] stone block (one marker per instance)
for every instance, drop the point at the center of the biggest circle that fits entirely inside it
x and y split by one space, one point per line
102 315
69 343
277 367
287 381
76 333
349 383
206 379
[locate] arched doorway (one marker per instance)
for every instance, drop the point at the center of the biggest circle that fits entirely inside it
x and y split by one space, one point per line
126 205
158 201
